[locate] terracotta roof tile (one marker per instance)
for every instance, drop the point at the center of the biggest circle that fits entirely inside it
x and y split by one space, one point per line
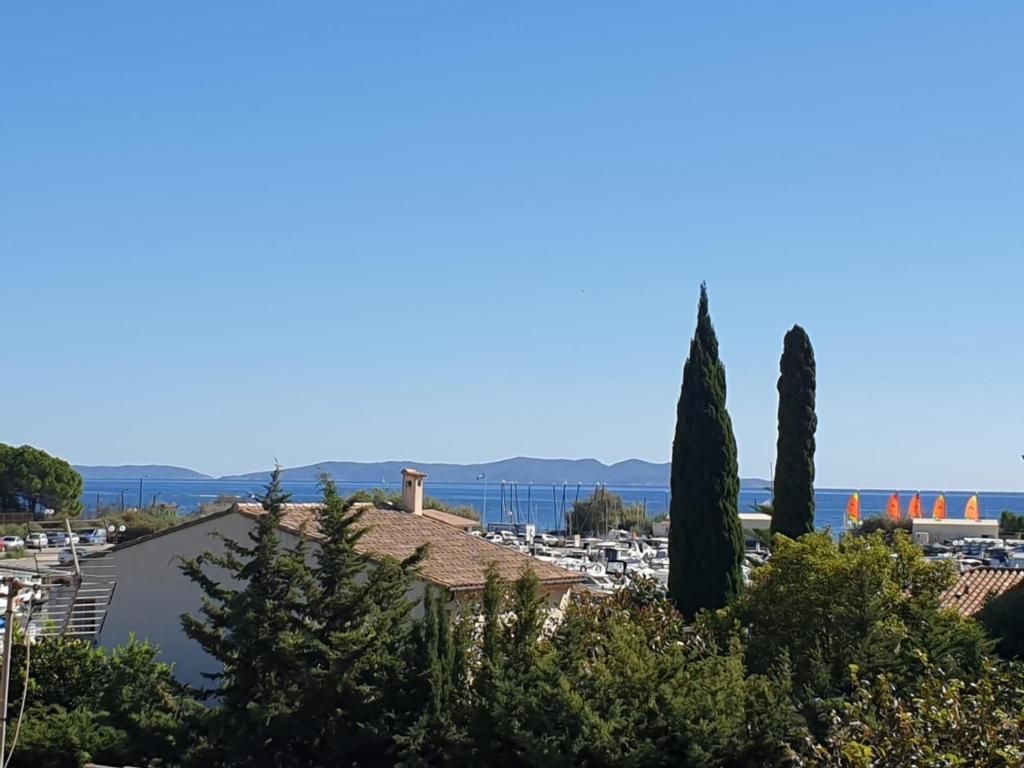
455 559
975 586
449 519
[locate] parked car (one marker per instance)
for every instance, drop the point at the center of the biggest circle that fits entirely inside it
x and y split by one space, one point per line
13 542
61 539
93 535
37 541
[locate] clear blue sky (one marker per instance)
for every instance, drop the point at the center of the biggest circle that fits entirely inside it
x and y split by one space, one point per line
460 231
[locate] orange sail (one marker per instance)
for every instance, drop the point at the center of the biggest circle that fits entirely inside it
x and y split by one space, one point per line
939 510
915 506
893 510
973 509
853 510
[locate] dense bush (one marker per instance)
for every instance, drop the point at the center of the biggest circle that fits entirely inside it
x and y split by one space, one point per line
84 704
604 511
1011 524
1003 619
863 602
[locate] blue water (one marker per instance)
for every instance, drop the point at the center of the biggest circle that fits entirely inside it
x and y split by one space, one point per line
535 505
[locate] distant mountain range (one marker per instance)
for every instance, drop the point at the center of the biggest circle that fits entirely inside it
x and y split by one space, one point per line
135 471
520 469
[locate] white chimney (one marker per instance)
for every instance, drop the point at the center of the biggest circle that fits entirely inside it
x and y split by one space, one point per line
412 491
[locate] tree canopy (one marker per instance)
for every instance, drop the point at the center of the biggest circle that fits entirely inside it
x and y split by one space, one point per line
32 480
603 511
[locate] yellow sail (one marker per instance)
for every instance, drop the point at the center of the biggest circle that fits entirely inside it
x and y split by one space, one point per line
939 510
853 510
973 509
915 506
893 510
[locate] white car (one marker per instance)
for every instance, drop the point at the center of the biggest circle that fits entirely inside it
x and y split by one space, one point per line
60 539
546 539
13 542
37 541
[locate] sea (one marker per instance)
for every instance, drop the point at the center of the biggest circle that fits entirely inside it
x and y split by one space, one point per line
538 504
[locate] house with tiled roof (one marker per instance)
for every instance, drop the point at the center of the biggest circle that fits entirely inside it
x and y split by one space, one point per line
152 593
977 586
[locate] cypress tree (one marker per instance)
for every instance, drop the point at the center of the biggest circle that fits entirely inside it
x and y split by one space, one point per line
793 505
705 537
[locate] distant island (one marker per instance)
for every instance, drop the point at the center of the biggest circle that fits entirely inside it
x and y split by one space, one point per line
135 471
520 469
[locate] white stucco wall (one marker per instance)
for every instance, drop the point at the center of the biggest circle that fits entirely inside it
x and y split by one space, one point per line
152 593
952 529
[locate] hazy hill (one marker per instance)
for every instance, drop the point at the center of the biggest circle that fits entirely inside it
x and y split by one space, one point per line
135 471
520 469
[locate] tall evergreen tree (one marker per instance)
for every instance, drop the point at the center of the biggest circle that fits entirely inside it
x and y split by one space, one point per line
361 649
793 505
252 624
705 537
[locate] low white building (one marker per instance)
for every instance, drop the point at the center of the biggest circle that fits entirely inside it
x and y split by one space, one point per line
755 521
751 521
930 531
152 593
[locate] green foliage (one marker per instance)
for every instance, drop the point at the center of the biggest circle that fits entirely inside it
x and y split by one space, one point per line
793 502
1011 524
142 522
378 497
604 511
1003 619
862 602
459 510
85 704
705 538
254 631
315 648
937 721
835 656
359 649
886 525
32 480
381 498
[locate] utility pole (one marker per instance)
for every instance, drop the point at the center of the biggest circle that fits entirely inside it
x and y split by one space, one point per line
140 494
5 677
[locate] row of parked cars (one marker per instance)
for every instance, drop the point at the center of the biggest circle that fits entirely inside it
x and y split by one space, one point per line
39 540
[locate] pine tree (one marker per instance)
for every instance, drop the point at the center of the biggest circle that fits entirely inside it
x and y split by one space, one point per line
255 631
356 701
705 536
793 505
